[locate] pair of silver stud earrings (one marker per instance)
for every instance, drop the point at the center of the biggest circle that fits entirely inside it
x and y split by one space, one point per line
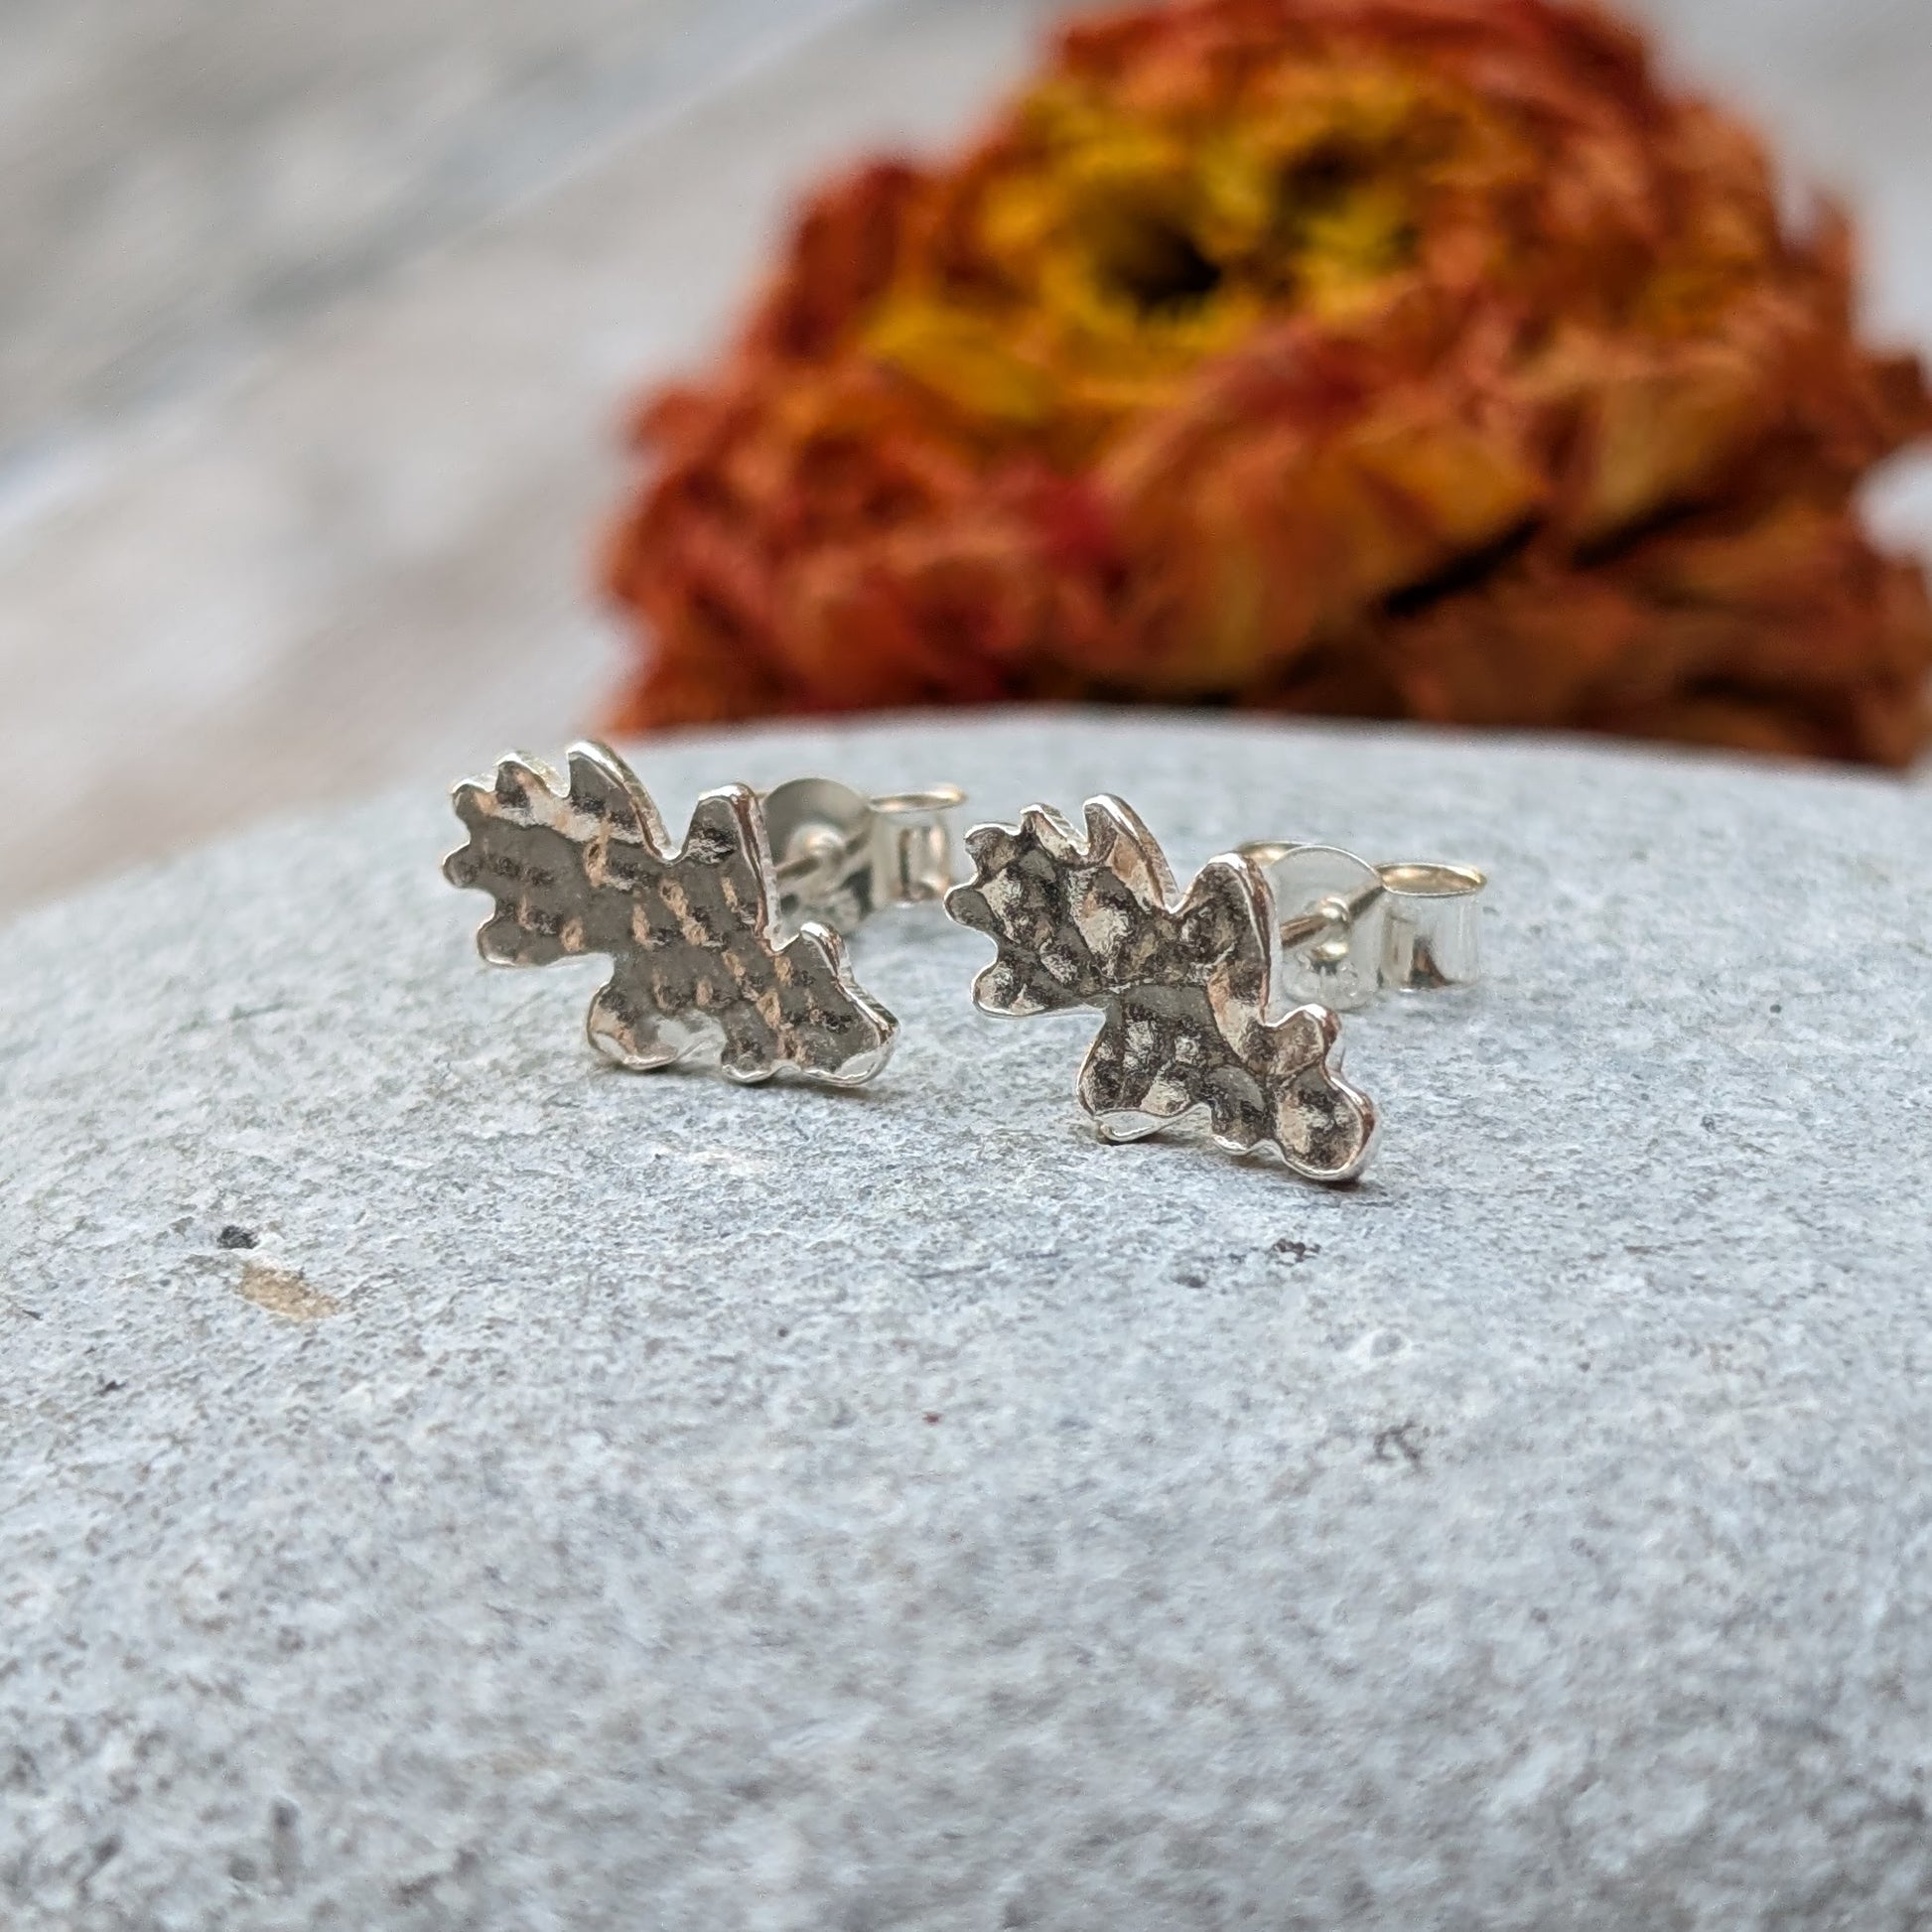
729 950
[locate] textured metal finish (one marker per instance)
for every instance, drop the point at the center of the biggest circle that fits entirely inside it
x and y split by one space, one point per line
704 973
1187 987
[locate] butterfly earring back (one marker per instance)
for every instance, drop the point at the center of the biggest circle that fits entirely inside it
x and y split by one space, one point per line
1351 931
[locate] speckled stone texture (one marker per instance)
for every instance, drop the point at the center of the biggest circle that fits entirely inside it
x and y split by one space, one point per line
446 1483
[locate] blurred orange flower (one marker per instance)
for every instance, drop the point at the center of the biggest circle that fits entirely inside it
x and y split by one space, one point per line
1391 357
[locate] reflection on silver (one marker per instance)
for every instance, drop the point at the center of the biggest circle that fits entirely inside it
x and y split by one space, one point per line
726 950
1350 929
1187 987
842 856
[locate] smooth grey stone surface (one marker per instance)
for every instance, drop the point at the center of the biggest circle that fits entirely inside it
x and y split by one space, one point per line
602 1502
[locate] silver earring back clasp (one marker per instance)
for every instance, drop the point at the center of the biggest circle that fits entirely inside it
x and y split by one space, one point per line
1350 930
841 857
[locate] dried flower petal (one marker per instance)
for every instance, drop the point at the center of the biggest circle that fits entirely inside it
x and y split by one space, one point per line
1395 357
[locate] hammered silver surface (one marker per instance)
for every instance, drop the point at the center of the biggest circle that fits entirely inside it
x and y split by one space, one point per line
1186 987
701 975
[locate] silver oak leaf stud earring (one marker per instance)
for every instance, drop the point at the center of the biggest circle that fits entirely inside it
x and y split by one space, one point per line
1190 987
726 950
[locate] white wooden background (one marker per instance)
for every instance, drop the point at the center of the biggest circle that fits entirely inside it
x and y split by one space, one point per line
315 323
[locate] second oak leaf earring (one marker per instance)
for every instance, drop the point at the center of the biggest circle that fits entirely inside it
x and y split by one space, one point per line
726 950
1190 987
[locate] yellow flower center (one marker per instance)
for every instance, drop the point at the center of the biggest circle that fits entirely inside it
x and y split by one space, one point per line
1115 246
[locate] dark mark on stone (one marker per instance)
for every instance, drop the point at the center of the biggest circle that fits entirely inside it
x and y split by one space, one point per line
1293 1251
236 1236
100 1856
110 1388
1398 1439
932 1415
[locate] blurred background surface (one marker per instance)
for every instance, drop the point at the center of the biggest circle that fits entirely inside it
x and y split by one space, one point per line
317 325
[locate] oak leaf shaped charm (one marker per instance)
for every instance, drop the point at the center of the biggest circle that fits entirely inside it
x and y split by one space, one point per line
702 973
1185 984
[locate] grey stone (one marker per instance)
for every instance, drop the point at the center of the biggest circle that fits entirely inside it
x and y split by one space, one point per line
447 1482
